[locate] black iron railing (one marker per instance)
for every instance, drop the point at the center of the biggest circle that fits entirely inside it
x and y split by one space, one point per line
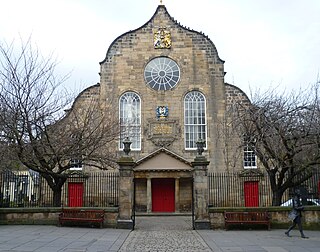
29 189
253 189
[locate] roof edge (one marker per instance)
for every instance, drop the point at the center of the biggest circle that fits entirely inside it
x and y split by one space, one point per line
131 31
173 20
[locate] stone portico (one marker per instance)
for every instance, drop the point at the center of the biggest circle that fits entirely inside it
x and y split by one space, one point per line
163 165
163 182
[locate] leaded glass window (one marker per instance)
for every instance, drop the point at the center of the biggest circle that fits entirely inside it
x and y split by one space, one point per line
130 119
195 123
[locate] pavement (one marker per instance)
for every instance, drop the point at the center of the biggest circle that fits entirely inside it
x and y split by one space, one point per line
152 233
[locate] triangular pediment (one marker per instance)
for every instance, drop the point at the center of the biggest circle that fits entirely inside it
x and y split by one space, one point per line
163 160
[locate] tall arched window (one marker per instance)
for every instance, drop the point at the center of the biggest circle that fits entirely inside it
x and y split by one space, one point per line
130 119
195 123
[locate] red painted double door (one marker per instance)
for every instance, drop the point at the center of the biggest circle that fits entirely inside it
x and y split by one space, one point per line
163 195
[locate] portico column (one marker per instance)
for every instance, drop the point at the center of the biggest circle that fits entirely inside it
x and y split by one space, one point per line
177 195
149 196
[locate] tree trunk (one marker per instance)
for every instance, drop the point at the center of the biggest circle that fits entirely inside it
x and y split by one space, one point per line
56 183
276 197
57 192
277 190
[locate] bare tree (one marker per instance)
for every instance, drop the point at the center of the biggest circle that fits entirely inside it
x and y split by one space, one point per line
283 131
35 125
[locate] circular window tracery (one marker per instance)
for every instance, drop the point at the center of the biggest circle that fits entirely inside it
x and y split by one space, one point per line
162 73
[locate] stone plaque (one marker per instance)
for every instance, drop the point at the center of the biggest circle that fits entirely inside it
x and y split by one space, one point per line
163 132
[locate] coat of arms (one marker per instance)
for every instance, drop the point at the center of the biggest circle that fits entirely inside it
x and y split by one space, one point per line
162 111
162 38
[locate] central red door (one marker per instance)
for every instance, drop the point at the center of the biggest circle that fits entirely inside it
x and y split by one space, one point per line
75 192
163 195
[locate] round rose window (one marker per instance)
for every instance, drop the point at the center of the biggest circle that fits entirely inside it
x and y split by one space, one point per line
162 73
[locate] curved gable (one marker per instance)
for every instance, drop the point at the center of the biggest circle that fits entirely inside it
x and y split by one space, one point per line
161 17
235 95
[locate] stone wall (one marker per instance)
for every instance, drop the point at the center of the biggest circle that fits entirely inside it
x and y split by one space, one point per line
46 216
235 95
141 195
185 198
49 216
279 216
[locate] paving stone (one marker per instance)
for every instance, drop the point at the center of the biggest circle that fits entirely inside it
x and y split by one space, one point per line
168 240
160 233
170 233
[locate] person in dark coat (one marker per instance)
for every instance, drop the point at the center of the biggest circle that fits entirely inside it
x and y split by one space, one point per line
296 214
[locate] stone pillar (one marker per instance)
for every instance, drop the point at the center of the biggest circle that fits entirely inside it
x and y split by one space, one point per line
200 193
177 195
126 192
149 196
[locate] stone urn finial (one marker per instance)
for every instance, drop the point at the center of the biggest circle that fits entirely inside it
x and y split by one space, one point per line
126 142
200 146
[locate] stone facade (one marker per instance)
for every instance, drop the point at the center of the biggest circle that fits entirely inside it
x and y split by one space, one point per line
201 69
163 153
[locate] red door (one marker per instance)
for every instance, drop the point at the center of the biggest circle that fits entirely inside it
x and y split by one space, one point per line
163 195
75 192
251 193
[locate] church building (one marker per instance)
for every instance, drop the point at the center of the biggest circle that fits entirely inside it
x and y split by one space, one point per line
165 83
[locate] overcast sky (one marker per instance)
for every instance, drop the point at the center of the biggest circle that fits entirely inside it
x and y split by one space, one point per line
263 42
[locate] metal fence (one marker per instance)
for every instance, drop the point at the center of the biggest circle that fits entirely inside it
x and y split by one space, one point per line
252 189
101 189
29 189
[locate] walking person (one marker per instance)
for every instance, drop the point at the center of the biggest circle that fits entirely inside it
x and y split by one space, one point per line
296 214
